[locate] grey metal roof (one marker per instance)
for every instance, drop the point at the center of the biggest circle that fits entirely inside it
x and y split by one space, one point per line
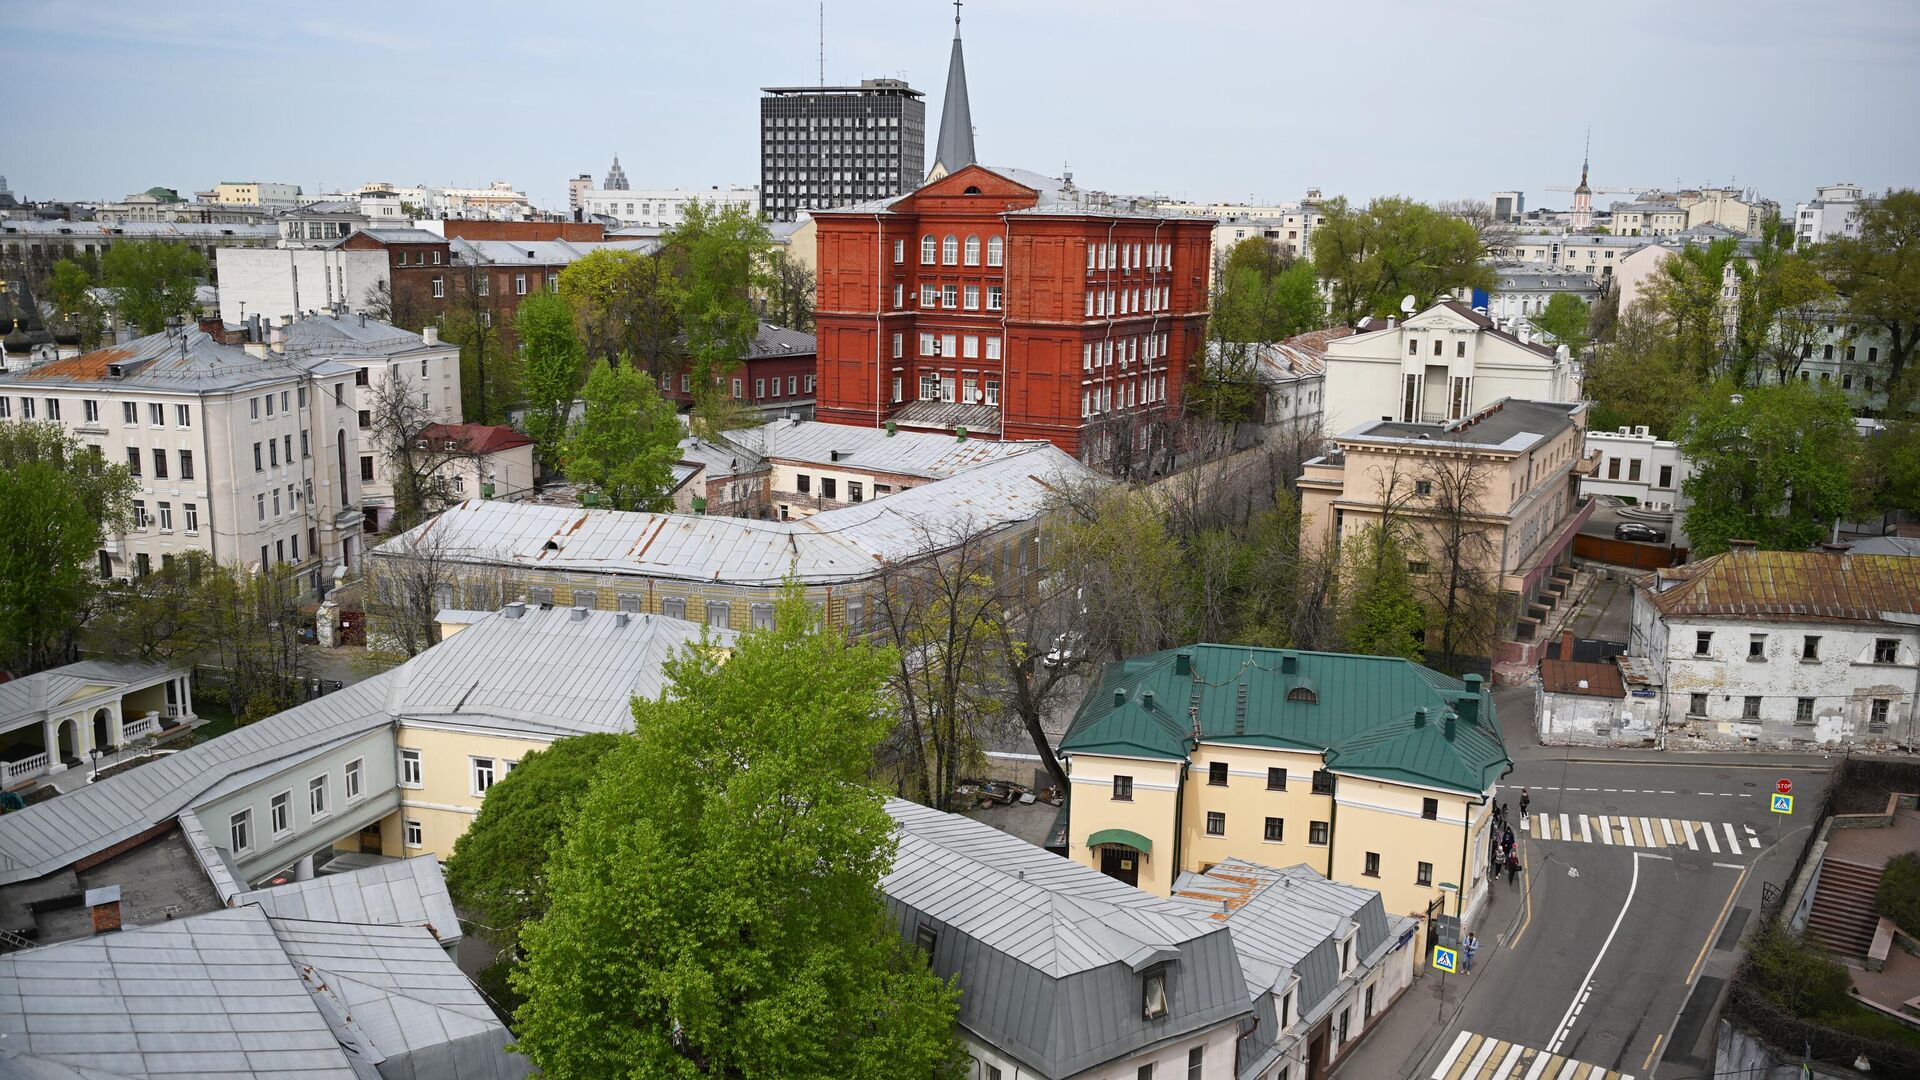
405 892
33 694
402 236
47 836
213 996
951 415
953 148
846 544
184 360
771 340
410 1010
139 230
563 670
908 452
326 336
1278 361
1507 424
721 460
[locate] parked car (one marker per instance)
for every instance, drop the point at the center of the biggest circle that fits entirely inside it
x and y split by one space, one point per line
1633 530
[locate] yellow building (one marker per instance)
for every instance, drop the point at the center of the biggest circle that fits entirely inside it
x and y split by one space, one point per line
1374 771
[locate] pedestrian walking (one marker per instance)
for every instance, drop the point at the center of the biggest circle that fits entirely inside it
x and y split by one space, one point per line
1525 798
1513 867
1507 836
1472 946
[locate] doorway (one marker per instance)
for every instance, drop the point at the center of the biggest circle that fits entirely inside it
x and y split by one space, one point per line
1317 1054
1121 863
100 729
371 842
66 740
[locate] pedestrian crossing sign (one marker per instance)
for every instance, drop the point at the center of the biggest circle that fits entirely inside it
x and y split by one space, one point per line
1783 804
1447 960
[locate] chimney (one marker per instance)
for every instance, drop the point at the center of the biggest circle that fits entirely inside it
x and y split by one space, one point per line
1119 697
1289 663
1743 545
1146 698
1392 322
278 339
1469 706
1183 663
1566 645
621 618
363 319
431 335
577 613
515 609
104 902
1446 726
1420 717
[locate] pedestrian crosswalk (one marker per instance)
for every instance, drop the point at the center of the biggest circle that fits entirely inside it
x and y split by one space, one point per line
1481 1057
1626 830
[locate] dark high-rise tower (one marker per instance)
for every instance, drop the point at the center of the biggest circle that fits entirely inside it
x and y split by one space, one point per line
954 148
835 145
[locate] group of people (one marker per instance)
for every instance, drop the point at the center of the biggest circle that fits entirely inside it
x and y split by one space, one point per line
1505 853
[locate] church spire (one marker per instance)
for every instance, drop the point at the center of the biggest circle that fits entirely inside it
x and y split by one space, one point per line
954 148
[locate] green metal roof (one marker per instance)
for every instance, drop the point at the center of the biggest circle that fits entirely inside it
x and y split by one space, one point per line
1121 836
1359 711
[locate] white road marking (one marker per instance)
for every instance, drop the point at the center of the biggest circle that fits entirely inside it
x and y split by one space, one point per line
1733 839
1606 832
1479 1059
1647 828
1666 793
1567 1071
1565 832
1706 830
1666 826
1446 1063
1731 865
1586 837
1505 1068
1545 831
1626 832
1687 828
1560 1033
1539 1065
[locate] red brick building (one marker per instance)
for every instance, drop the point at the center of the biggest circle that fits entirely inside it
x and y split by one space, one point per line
775 375
1011 305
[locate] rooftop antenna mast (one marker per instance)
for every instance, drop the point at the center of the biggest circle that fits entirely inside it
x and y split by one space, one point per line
823 43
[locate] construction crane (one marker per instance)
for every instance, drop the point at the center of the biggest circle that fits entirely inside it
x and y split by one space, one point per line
1604 190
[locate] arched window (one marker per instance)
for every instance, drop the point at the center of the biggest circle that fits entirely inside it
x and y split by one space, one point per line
926 250
973 251
1304 693
996 251
950 251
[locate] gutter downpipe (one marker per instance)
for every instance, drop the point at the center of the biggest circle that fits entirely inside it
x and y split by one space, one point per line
879 307
1006 249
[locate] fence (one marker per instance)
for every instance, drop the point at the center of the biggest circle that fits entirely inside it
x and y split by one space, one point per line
1626 553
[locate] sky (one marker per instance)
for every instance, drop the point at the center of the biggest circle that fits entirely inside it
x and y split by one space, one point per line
1215 100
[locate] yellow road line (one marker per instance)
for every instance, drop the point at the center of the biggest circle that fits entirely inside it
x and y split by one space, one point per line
1714 930
1528 921
1648 1064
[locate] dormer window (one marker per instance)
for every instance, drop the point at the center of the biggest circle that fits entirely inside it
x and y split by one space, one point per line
1153 987
1304 693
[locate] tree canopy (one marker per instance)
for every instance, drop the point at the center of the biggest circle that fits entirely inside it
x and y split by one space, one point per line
720 259
553 365
152 281
1261 296
1638 377
1381 615
715 908
1372 257
626 306
1772 464
56 499
1565 320
1877 275
626 440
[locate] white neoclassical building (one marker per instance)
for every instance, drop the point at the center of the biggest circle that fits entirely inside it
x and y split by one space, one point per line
52 720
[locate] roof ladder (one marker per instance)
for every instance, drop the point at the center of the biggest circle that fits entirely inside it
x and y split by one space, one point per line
1240 708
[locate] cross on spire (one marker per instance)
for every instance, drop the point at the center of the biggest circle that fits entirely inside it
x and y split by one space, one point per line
956 18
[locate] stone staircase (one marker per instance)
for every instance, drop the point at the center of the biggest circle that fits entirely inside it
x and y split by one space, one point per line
1842 915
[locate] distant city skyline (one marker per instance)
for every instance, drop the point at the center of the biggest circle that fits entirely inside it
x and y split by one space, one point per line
1216 100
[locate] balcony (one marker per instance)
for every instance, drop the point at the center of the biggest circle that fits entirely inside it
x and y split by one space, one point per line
27 768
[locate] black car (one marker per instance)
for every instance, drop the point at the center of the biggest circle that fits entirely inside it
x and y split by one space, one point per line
1633 530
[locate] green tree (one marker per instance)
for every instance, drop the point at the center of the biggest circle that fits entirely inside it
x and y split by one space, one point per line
70 291
157 617
790 292
57 497
719 259
1687 291
152 281
1772 464
1260 295
1638 377
498 870
1109 546
1878 276
1381 615
1780 307
625 302
1565 320
553 365
626 440
1888 477
715 908
1373 257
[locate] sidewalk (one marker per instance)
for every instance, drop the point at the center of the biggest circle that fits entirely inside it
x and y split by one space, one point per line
1401 1040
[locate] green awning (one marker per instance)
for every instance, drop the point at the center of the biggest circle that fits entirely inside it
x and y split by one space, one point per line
1121 836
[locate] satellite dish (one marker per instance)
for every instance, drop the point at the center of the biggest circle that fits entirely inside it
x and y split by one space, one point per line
1408 305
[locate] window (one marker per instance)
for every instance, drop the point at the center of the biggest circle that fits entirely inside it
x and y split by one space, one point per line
1322 781
803 483
1144 1072
1194 1058
483 770
1277 779
1423 487
1750 707
1154 995
1217 773
1216 823
899 345
950 251
280 813
1696 704
240 832
719 613
439 288
1756 646
855 491
356 774
193 516
973 251
1877 713
899 251
926 937
129 413
26 408
316 795
949 296
273 453
929 295
994 296
1413 348
1666 476
133 459
1886 650
1803 711
1372 868
926 250
828 487
1276 830
1123 788
1317 833
970 298
53 408
259 462
186 464
1703 643
996 251
899 295
166 516
409 768
1423 874
253 408
1430 809
760 389
519 284
412 833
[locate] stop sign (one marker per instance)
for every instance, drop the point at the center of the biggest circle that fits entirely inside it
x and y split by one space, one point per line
1784 787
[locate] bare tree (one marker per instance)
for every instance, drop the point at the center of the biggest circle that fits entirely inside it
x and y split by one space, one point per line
415 577
1497 237
1108 547
1461 588
422 466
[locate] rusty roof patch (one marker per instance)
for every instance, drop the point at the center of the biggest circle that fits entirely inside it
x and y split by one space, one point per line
1803 585
87 366
1586 680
